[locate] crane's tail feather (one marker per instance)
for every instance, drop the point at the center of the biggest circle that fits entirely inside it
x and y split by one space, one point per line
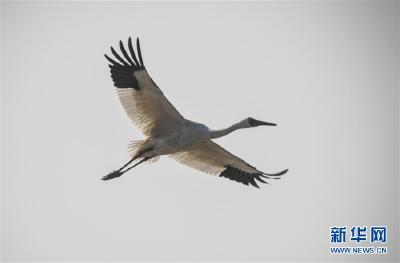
134 147
153 160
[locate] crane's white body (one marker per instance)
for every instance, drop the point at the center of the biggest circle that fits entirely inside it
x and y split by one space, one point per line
189 134
175 141
167 132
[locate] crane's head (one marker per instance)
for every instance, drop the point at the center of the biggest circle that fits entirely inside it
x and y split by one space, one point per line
254 123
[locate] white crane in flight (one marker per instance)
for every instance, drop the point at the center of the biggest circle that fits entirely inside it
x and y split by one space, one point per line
167 132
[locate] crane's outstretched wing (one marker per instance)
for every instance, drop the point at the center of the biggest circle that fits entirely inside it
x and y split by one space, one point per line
142 100
209 157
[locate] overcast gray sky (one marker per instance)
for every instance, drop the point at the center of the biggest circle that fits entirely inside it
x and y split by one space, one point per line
327 73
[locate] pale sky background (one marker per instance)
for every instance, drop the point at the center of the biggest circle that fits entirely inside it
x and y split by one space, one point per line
327 73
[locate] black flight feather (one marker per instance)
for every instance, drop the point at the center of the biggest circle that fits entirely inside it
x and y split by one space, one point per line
118 57
123 71
240 176
113 62
121 46
132 51
139 52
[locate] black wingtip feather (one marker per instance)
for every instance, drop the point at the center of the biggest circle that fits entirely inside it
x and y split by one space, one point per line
246 178
139 52
132 51
122 48
122 70
278 173
113 62
253 182
240 176
119 58
258 178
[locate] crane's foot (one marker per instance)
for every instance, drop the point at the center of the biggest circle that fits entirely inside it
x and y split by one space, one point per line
112 175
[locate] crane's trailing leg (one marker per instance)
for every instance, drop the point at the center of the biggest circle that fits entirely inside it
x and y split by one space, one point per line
119 172
112 175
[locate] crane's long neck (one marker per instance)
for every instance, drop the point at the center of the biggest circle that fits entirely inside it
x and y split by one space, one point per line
219 133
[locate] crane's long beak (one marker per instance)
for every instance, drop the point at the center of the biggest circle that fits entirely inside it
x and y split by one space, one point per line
258 123
255 123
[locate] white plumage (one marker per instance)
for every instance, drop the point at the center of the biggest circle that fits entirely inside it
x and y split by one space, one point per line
167 132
